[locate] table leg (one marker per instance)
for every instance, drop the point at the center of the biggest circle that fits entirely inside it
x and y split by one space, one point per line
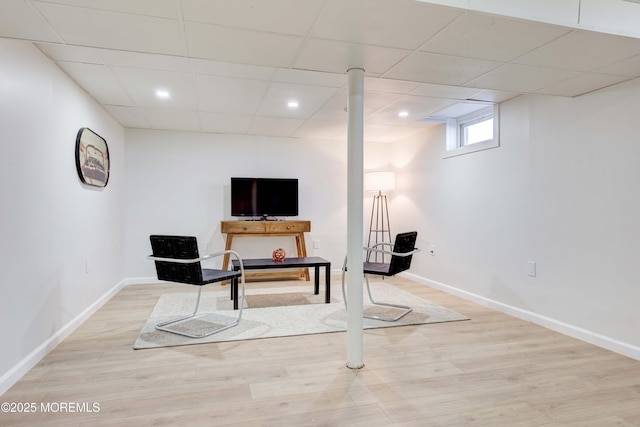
327 284
301 247
316 289
225 259
234 292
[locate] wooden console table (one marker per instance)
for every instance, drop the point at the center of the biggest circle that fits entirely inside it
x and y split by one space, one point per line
267 229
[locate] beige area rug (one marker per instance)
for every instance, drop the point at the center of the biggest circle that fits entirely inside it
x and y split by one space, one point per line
279 312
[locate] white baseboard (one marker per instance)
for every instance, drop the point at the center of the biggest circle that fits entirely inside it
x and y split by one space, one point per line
14 374
140 280
547 322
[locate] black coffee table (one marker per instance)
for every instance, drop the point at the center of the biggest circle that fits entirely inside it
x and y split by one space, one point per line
268 263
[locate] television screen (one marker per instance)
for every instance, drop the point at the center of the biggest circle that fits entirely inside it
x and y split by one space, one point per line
264 197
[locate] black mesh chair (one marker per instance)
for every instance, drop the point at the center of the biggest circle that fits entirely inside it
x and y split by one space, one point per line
401 253
177 260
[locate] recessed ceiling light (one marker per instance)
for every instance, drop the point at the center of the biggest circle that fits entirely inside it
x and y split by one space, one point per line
163 94
403 114
293 104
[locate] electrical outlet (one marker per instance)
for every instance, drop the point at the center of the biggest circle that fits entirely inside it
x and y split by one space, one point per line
531 269
316 244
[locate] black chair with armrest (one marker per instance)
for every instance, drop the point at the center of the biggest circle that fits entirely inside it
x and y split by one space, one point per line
177 260
401 253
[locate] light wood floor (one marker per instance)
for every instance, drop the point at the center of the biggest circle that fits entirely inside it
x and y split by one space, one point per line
493 370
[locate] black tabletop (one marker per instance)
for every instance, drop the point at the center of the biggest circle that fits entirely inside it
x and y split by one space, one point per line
288 262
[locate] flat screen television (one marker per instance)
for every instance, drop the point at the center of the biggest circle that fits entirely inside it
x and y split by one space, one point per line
264 197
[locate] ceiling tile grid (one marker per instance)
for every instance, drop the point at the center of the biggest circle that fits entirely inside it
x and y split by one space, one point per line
231 67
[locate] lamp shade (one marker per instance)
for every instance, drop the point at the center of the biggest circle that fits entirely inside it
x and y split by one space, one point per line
380 181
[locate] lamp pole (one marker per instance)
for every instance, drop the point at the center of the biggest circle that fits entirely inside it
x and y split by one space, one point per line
379 228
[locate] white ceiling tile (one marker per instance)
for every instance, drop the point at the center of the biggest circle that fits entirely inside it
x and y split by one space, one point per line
309 98
629 67
581 84
227 69
274 126
398 24
275 16
141 85
99 81
224 123
322 129
241 46
130 117
440 69
157 8
376 101
521 78
444 91
61 52
495 96
96 28
338 57
229 95
416 107
312 78
459 109
476 35
19 20
120 58
461 4
582 51
401 132
387 85
172 119
334 110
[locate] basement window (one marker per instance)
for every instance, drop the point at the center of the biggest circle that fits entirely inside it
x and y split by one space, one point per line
471 132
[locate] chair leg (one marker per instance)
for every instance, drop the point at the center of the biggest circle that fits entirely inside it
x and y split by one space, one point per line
344 293
164 326
406 309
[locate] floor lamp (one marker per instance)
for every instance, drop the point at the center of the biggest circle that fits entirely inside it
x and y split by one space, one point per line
379 232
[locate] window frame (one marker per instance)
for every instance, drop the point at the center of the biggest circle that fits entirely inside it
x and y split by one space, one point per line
455 145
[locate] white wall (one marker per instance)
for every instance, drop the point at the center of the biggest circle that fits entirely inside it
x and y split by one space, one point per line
562 191
50 222
179 183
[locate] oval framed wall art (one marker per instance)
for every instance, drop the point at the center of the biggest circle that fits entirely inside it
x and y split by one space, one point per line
92 158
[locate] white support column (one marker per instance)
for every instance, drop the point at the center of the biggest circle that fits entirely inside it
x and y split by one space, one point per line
355 138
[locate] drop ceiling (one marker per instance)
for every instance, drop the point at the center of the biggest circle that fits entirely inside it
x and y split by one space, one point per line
232 66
